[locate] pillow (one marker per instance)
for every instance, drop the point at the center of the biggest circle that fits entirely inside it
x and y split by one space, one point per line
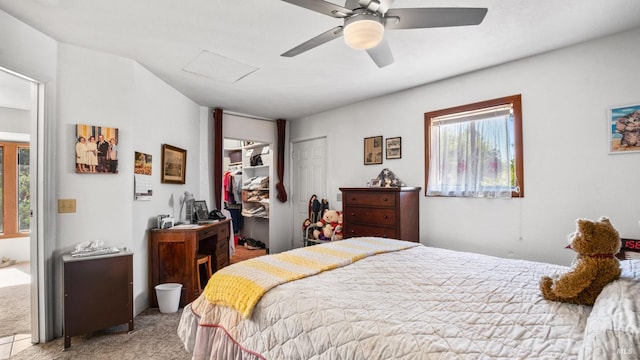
630 268
613 327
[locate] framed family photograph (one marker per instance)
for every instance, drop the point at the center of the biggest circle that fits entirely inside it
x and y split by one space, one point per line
174 165
373 150
394 148
623 126
96 149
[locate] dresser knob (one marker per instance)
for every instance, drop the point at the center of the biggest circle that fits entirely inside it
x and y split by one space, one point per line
353 214
385 199
386 217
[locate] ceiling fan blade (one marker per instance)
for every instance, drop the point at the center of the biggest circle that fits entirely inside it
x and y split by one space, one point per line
418 18
316 41
322 7
381 54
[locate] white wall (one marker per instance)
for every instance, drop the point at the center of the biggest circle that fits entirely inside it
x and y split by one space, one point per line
15 120
568 172
100 89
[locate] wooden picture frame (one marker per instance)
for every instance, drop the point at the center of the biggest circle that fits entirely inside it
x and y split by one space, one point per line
174 165
373 150
393 148
623 126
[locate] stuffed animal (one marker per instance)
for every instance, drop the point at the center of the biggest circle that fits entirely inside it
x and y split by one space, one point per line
330 225
596 243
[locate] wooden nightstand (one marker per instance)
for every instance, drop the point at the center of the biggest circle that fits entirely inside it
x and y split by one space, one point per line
383 212
98 293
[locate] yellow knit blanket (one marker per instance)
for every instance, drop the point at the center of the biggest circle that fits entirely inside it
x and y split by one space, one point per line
241 285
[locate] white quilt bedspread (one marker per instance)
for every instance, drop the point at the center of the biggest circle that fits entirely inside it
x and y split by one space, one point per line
419 303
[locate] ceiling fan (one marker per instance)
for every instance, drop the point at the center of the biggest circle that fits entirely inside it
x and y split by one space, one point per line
366 20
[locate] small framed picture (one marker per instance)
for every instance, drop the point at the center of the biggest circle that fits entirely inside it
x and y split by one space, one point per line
174 165
375 183
623 126
373 150
200 209
394 148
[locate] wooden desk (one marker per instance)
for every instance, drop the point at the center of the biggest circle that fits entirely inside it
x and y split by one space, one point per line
98 293
173 252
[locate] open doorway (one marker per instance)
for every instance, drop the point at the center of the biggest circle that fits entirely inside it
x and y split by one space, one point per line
246 193
18 114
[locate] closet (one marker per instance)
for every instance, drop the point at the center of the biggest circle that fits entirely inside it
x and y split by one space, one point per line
246 188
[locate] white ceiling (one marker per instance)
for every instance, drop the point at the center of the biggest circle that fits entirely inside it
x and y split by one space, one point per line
166 36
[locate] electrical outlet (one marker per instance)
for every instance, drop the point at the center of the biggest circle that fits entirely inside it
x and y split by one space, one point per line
339 197
66 206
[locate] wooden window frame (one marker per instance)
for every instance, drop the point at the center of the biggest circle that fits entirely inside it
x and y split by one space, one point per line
10 190
515 101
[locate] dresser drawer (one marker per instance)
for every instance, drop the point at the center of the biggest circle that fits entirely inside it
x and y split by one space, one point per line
355 230
353 214
221 261
208 232
223 232
222 245
370 199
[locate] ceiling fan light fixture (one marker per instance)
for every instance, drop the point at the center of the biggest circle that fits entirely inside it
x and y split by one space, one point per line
364 32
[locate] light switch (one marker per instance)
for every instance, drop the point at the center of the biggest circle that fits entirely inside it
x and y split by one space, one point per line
66 205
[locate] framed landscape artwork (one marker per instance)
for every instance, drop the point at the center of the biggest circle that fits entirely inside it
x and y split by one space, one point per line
623 126
174 165
142 164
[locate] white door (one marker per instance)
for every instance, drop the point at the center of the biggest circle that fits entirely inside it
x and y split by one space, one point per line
309 164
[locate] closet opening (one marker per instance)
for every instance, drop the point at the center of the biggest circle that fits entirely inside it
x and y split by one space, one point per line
246 192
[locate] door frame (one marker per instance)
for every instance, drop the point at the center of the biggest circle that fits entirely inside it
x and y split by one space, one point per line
36 241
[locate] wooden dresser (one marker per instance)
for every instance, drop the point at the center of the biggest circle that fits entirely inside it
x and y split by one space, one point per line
98 293
173 252
384 212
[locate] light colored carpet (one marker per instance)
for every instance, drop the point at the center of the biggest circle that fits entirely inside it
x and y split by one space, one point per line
15 312
15 299
154 337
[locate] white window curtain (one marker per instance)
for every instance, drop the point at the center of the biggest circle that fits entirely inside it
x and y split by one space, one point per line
471 154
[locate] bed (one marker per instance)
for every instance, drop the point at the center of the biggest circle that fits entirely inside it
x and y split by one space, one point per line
418 302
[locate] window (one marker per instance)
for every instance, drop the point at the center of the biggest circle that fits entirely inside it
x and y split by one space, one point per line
15 220
475 150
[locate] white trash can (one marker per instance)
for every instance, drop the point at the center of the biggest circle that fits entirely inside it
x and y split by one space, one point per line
168 297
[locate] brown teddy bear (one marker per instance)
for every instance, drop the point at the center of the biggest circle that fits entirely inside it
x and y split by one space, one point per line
596 243
331 225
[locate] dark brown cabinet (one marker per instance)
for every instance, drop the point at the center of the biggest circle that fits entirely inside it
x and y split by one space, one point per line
98 293
173 253
384 212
